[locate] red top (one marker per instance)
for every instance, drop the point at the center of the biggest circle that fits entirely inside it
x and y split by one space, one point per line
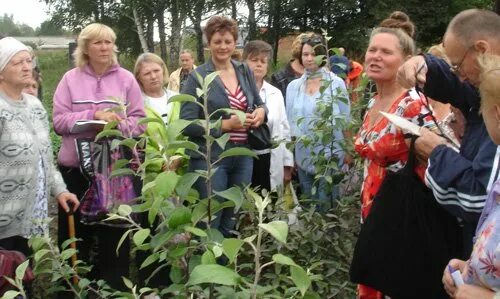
383 145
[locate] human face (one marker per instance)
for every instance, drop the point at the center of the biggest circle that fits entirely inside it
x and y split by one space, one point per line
100 51
17 72
187 61
308 58
31 87
383 57
151 77
491 117
462 58
258 65
222 46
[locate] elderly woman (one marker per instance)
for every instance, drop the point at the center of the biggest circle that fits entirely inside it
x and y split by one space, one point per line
302 100
152 75
86 93
234 88
273 167
29 175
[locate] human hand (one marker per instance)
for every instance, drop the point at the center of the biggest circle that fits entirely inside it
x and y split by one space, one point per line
64 198
106 116
232 123
413 72
426 143
449 284
249 120
287 175
467 291
258 116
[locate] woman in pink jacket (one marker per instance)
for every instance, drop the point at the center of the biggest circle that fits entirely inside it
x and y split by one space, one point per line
85 93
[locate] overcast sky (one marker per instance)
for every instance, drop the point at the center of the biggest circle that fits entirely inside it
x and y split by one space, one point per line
31 12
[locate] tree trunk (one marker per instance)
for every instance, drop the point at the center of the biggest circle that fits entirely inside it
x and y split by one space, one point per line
195 17
160 17
497 6
251 23
150 32
140 31
234 11
175 34
275 8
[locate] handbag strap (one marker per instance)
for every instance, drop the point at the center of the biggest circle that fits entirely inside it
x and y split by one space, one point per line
412 157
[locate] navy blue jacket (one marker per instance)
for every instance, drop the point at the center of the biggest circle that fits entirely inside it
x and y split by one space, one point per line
460 181
217 99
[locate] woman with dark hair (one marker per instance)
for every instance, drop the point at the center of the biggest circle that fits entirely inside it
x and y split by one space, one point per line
234 88
273 167
302 99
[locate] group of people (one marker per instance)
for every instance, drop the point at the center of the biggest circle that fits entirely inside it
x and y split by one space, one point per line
460 180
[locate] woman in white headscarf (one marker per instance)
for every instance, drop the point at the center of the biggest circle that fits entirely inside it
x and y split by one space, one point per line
28 176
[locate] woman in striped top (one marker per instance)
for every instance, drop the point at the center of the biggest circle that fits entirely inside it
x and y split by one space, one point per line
234 88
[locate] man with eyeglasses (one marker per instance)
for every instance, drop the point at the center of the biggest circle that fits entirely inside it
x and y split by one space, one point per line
459 180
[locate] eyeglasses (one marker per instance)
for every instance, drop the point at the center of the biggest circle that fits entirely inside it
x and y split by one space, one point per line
455 68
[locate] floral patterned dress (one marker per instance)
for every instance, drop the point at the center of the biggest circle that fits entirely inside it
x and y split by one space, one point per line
483 267
384 149
383 145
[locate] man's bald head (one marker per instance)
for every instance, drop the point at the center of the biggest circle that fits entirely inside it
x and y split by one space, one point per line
474 24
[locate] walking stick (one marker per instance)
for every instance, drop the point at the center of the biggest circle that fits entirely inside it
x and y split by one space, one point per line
71 233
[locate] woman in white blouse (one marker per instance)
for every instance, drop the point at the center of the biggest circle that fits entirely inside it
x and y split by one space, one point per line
274 166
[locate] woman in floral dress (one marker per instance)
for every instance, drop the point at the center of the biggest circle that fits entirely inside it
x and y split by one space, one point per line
382 144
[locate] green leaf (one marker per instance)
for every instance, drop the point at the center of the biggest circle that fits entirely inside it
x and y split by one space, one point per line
179 216
174 145
176 274
83 283
150 260
185 183
120 164
182 98
41 253
178 251
300 279
195 231
124 210
140 236
208 258
233 194
129 142
222 141
67 253
237 151
122 172
231 248
10 294
277 229
122 239
108 133
213 274
21 269
284 260
209 78
127 283
165 183
147 120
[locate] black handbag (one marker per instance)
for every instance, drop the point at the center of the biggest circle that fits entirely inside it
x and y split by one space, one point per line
260 138
407 239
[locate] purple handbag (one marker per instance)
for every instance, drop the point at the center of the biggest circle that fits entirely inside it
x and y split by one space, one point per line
105 193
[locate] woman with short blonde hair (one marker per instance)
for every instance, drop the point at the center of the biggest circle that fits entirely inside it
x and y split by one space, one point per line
94 31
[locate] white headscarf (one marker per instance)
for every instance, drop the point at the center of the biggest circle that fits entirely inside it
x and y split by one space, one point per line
9 47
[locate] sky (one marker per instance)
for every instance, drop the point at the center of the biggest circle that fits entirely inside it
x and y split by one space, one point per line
31 12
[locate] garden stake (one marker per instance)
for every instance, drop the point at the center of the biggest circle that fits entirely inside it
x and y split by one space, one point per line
71 233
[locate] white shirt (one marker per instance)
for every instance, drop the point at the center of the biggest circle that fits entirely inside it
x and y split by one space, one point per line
161 105
280 132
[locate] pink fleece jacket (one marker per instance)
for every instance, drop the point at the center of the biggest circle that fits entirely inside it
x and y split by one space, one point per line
81 93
